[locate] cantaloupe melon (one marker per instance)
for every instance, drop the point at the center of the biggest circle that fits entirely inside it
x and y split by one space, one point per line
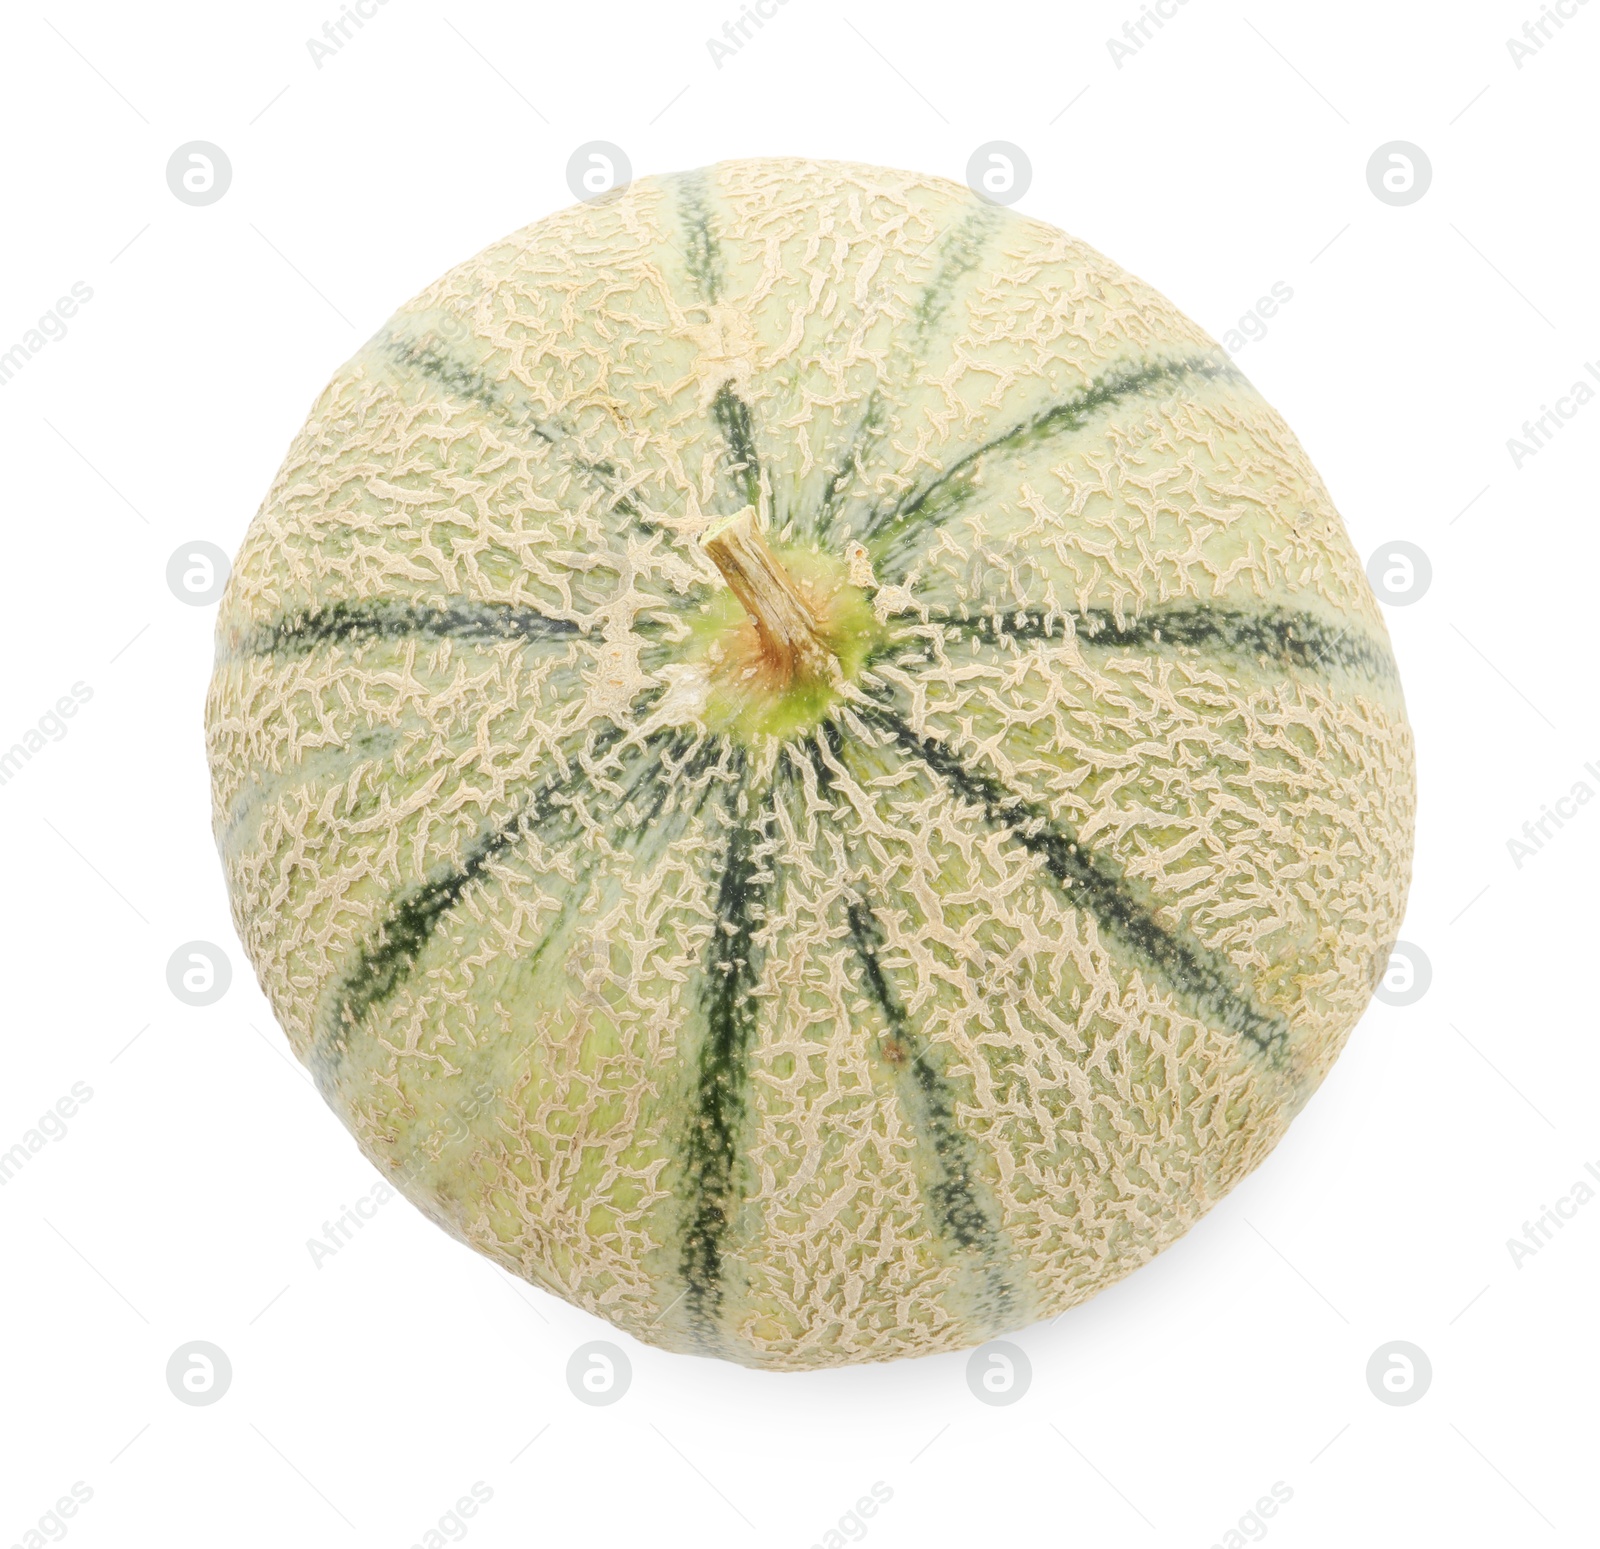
806 763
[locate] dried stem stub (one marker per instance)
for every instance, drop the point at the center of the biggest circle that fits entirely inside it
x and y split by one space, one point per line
791 636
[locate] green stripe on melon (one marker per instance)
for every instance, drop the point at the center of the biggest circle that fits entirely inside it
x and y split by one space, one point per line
849 717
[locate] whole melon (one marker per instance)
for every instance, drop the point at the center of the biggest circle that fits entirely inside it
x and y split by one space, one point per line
806 764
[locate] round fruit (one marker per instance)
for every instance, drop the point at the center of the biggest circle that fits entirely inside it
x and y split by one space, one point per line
806 763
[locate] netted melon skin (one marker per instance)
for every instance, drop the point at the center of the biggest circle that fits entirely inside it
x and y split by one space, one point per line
883 1026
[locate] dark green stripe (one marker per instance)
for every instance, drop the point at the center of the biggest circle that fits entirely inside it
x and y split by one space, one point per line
954 485
961 1214
1199 977
719 1097
868 432
958 257
459 380
387 959
703 261
386 963
959 253
354 623
733 420
702 255
1274 638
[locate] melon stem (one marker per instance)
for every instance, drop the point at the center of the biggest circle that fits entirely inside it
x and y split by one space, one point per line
791 638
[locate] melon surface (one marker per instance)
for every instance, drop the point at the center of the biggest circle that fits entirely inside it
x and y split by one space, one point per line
806 763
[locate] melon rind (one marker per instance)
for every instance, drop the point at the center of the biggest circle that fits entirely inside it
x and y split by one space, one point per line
772 1036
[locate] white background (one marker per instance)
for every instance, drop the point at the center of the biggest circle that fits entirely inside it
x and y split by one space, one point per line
370 1393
